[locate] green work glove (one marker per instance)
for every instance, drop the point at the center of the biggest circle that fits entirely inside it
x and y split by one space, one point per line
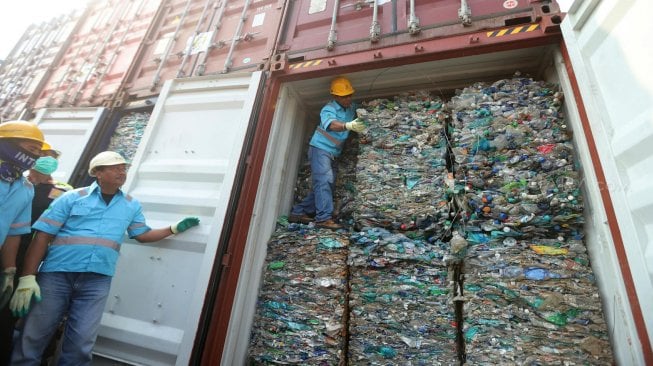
355 125
6 285
22 299
184 224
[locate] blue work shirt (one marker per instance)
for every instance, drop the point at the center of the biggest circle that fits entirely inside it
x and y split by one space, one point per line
88 232
15 208
332 141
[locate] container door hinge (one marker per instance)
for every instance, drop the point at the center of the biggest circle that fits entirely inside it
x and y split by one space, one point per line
278 62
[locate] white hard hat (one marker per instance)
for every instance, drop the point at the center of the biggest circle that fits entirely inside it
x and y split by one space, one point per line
105 158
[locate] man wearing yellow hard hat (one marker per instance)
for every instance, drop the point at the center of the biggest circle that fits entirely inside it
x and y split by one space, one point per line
337 118
20 146
46 189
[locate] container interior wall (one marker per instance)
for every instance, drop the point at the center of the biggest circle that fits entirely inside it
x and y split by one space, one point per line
294 122
597 234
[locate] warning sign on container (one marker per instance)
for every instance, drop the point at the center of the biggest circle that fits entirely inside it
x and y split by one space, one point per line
510 4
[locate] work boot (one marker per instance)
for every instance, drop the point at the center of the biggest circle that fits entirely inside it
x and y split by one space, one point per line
328 224
303 218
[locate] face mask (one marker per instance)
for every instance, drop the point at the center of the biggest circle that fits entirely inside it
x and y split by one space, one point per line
46 165
14 161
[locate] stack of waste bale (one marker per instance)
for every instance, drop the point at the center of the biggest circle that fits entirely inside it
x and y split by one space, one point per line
529 288
536 302
400 301
401 165
128 134
514 157
400 284
301 310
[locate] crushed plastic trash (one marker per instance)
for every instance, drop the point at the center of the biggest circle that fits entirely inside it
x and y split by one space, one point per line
401 166
128 134
464 242
528 284
301 312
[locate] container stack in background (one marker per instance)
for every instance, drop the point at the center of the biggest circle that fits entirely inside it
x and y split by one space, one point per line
529 288
479 262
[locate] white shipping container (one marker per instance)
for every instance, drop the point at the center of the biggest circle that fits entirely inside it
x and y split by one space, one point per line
69 131
185 166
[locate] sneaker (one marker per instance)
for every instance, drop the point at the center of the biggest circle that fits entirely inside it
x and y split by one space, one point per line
303 218
328 224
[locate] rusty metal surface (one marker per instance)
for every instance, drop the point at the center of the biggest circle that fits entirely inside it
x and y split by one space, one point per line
315 31
29 65
94 66
204 37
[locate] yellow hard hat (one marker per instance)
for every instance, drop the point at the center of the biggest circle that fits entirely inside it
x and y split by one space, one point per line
341 87
21 130
47 148
105 158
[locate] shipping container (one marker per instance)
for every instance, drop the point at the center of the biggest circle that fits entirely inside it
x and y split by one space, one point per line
70 131
29 65
599 65
93 68
227 148
80 133
204 37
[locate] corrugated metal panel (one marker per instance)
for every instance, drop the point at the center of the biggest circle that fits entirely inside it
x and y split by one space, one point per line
609 45
203 37
28 66
69 130
318 29
93 69
185 166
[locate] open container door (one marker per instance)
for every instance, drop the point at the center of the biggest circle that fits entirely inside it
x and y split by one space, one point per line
69 131
185 165
609 48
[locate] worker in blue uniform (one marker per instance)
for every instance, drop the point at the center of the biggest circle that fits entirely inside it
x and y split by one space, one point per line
46 190
337 118
78 240
20 146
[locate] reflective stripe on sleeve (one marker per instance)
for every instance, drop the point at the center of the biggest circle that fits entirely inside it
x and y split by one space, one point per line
136 226
333 140
19 225
50 222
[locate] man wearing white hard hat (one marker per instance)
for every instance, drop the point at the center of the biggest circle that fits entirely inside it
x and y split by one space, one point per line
78 240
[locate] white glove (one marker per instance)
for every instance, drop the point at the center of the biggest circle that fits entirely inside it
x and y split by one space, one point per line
355 125
22 299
